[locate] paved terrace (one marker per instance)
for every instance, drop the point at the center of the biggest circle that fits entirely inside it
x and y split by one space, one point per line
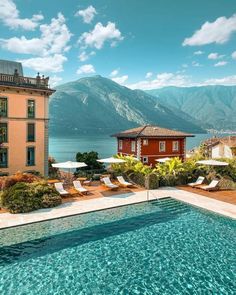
113 200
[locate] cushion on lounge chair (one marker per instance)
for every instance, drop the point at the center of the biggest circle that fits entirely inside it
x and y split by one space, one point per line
108 183
60 189
212 186
123 182
197 182
78 186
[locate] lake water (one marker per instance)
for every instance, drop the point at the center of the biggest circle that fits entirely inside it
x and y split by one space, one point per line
65 148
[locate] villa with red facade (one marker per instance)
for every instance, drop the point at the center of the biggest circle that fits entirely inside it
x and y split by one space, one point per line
149 143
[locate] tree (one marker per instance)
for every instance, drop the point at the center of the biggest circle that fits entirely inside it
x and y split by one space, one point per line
89 158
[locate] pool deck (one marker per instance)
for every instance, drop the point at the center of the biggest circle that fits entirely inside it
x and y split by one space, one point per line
88 205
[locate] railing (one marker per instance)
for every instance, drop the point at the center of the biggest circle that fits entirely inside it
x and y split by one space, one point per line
38 82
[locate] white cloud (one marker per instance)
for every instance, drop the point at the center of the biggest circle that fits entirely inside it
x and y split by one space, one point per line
53 64
114 73
121 80
227 81
199 52
218 32
10 16
196 64
162 80
83 56
215 55
234 55
86 69
48 48
220 64
54 80
148 75
87 14
54 39
99 35
184 66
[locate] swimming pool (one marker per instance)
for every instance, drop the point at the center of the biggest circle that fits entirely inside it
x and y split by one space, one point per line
161 247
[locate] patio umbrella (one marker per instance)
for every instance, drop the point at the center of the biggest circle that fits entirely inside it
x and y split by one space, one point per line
162 160
111 160
212 163
69 165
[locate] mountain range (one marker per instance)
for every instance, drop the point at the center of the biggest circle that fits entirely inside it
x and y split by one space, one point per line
211 107
99 105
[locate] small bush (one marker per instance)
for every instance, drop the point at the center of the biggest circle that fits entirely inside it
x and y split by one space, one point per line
26 197
8 181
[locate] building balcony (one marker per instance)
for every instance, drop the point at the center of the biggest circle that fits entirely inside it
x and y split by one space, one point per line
25 82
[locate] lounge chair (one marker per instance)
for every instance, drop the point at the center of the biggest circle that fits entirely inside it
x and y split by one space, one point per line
213 186
60 189
123 182
197 182
79 188
107 182
87 182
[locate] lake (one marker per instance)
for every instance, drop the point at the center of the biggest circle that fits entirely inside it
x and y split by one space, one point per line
65 148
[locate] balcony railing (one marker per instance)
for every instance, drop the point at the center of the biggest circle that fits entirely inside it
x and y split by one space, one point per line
16 80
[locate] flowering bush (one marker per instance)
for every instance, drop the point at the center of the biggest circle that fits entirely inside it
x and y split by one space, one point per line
8 181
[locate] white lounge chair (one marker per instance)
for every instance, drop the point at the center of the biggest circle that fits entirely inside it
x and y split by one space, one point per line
60 189
213 186
79 188
107 182
197 182
123 182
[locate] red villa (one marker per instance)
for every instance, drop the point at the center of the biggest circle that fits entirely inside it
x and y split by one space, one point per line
149 143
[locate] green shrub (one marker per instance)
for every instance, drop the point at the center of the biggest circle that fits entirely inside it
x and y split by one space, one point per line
227 183
26 197
153 180
49 201
18 199
137 178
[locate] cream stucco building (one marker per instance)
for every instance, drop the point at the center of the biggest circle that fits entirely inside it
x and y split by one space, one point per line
224 147
23 120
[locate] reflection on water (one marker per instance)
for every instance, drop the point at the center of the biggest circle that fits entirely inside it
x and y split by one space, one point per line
65 148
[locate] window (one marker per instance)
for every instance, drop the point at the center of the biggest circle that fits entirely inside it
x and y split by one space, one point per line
175 146
120 144
31 108
31 132
145 141
3 132
3 107
132 146
30 156
3 157
162 146
145 160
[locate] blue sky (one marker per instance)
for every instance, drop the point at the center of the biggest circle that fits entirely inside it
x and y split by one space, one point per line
141 44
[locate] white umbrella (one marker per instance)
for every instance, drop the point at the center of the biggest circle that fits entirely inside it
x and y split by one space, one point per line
212 163
162 160
69 165
111 160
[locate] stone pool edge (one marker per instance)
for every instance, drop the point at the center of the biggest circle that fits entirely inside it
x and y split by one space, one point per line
8 220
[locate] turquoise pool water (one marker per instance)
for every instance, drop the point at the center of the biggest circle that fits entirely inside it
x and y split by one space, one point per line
161 247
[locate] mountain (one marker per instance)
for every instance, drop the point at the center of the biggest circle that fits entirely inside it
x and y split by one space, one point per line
97 104
213 106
